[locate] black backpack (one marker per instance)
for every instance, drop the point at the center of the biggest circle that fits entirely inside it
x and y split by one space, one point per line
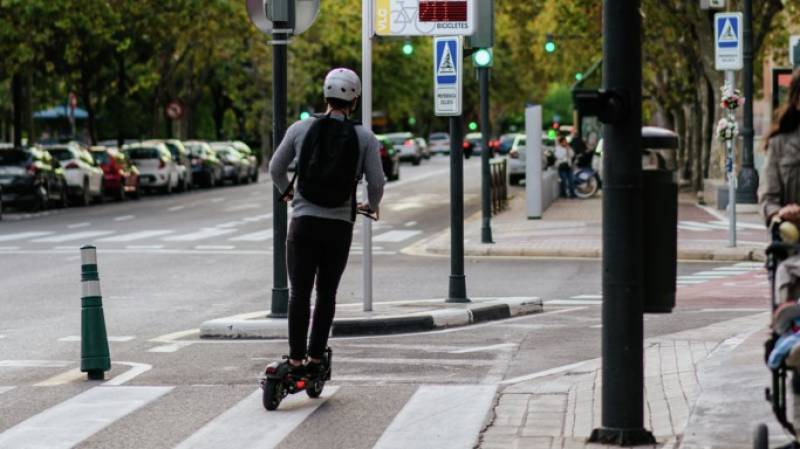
327 171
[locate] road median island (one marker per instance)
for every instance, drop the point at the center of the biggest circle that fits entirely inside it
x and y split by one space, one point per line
387 318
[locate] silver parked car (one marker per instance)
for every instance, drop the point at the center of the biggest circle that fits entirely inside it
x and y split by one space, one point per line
406 145
439 143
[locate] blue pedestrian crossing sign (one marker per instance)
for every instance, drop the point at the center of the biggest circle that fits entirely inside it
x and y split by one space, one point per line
447 75
729 54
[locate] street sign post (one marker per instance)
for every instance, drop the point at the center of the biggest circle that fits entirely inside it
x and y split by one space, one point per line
366 121
794 51
729 52
424 17
447 76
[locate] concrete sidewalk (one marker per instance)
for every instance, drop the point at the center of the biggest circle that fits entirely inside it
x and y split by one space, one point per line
573 228
704 389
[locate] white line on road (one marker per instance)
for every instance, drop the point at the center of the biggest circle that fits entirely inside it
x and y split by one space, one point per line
72 421
573 302
33 363
74 236
246 426
136 236
8 248
588 297
22 236
501 346
66 248
136 369
244 207
410 224
740 225
395 236
79 225
259 236
5 389
176 208
174 347
258 218
214 247
73 375
118 339
545 373
140 247
423 362
455 415
125 218
199 235
216 200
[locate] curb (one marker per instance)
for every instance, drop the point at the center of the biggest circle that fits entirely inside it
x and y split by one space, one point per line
460 315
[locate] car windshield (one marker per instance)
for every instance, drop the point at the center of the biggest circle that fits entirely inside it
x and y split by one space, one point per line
397 140
143 153
101 157
438 136
62 154
173 150
13 157
196 150
506 143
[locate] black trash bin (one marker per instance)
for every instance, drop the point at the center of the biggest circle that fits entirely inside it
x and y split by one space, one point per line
660 221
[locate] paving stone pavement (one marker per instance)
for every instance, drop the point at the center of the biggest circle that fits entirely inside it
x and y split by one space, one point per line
560 411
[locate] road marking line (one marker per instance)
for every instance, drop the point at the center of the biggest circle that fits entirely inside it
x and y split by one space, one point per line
216 200
74 236
175 208
73 375
258 218
731 309
214 247
66 248
259 236
8 248
79 225
485 348
410 224
697 224
428 362
573 302
80 417
244 207
247 426
136 369
169 338
588 297
136 236
5 389
458 411
199 235
545 373
135 247
174 347
735 269
690 282
34 363
73 338
23 235
395 236
740 225
714 273
125 218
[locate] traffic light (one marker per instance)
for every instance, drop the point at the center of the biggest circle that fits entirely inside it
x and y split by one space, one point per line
472 126
550 44
578 76
483 57
305 115
408 48
412 121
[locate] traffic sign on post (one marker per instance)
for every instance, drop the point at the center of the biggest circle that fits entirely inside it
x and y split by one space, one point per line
728 42
424 17
483 37
447 76
263 13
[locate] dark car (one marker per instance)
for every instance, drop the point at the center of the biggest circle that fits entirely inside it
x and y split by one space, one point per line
207 169
31 178
120 176
390 159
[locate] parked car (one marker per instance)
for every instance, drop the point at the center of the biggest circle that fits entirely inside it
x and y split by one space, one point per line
207 169
439 143
248 154
406 146
236 167
32 179
84 176
120 176
157 168
475 140
390 159
181 156
516 156
426 151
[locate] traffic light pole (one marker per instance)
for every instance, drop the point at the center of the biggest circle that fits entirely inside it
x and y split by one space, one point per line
366 120
280 289
747 190
623 308
486 185
458 284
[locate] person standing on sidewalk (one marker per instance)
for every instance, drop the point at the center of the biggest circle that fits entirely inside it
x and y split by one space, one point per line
779 194
333 153
564 156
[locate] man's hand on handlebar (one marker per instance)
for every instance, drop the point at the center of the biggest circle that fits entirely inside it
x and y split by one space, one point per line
790 212
365 210
288 196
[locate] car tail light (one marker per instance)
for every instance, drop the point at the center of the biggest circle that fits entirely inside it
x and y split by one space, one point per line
31 169
465 145
72 165
161 163
409 142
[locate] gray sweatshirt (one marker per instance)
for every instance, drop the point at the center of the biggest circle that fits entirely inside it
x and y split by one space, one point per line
289 150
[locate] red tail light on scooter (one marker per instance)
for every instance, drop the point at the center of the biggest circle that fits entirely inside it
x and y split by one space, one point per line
271 370
300 384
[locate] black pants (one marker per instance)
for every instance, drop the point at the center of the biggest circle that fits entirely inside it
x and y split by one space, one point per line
317 248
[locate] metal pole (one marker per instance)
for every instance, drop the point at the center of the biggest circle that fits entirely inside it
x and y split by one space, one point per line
486 186
747 189
366 120
730 163
280 290
622 341
458 284
16 93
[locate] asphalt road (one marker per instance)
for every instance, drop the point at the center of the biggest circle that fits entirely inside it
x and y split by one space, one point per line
168 263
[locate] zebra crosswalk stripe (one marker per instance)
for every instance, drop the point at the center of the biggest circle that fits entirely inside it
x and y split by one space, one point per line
85 235
248 426
199 235
441 417
259 236
22 236
136 236
72 421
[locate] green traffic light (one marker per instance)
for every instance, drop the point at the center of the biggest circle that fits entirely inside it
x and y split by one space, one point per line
578 76
408 49
482 58
412 121
550 47
473 126
304 115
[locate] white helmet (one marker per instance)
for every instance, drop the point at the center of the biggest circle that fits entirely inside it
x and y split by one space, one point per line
343 84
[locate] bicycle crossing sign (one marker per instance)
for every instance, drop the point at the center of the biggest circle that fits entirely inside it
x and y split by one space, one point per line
447 75
728 41
424 17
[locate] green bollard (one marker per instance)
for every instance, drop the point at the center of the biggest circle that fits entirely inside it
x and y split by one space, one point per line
95 358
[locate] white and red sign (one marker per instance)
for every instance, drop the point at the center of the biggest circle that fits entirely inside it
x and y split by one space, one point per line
174 109
424 17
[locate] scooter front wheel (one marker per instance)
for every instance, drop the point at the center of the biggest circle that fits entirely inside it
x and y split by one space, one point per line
761 437
314 389
273 394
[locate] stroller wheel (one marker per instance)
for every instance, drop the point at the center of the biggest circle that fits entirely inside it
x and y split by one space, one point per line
761 437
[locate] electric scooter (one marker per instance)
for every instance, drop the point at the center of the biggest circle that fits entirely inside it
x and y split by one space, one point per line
279 382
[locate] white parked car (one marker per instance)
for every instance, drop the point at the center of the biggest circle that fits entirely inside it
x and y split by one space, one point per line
84 176
406 147
517 155
439 143
157 168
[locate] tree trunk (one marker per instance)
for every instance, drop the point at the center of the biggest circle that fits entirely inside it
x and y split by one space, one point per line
119 102
29 106
17 99
697 143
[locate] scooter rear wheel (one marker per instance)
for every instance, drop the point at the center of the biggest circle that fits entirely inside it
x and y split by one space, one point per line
761 437
272 394
314 389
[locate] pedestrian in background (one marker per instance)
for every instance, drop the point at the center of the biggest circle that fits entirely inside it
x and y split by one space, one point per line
564 156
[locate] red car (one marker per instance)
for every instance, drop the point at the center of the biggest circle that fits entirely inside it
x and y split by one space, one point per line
120 176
